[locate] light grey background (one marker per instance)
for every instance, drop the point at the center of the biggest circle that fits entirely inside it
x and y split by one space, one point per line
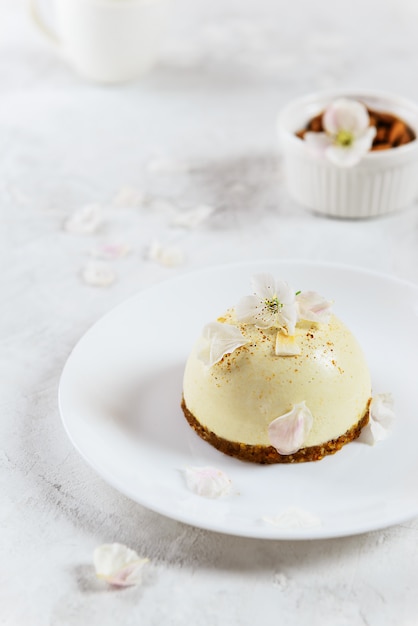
199 130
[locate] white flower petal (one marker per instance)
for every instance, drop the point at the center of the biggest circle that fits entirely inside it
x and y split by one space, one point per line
288 432
348 135
284 292
287 318
273 304
111 251
128 197
194 217
343 156
217 340
208 482
381 409
118 565
85 221
98 274
293 518
264 285
252 310
317 142
381 419
347 115
169 256
286 345
312 307
373 432
365 141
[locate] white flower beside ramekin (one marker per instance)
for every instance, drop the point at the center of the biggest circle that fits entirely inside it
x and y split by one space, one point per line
383 182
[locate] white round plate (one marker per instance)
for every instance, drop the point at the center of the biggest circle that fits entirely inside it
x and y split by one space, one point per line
121 388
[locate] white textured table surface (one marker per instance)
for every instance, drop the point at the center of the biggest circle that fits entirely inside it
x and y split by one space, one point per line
198 131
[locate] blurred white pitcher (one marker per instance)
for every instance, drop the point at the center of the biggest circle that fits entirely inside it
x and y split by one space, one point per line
106 40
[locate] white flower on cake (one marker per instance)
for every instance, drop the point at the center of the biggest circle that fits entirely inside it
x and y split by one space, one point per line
118 565
288 432
208 482
312 307
272 305
348 135
381 418
217 340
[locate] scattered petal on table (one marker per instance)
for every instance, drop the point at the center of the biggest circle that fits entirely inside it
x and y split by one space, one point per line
98 274
169 256
193 217
118 565
128 197
85 221
111 251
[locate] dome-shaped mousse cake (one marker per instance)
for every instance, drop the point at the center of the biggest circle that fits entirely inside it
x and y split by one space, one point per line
277 379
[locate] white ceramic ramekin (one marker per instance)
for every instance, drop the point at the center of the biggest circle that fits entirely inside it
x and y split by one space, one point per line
383 182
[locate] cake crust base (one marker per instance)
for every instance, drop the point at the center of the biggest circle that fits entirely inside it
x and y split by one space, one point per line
267 454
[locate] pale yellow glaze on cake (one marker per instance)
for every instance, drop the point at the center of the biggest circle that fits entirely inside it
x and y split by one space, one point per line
238 397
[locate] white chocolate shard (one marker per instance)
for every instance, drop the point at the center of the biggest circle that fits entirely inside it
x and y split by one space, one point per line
286 345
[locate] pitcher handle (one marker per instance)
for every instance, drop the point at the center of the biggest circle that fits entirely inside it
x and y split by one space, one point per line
37 19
